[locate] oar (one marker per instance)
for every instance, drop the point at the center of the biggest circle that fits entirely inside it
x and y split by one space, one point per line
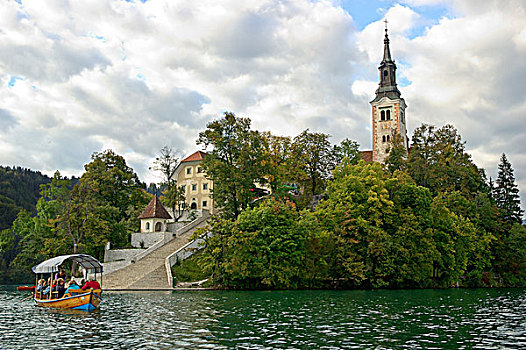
28 297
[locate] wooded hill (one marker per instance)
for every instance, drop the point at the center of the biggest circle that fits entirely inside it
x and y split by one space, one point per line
19 189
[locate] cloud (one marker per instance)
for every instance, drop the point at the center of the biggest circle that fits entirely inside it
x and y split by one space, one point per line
136 76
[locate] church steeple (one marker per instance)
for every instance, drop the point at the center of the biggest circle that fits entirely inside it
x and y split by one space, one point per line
387 86
388 108
387 52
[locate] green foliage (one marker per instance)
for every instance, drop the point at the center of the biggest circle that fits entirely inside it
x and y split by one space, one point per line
175 199
314 159
265 247
235 163
189 270
397 158
439 162
506 192
19 189
76 216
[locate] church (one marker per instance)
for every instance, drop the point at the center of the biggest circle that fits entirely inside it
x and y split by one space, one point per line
388 110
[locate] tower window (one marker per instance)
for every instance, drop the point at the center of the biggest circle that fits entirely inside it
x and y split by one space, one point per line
383 138
387 138
385 73
382 115
388 117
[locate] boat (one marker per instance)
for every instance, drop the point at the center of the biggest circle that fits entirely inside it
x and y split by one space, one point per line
87 300
23 288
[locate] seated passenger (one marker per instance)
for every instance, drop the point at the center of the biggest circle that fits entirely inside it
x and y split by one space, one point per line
41 285
59 288
71 285
50 286
92 283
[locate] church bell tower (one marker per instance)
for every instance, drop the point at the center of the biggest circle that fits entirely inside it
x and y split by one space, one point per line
388 108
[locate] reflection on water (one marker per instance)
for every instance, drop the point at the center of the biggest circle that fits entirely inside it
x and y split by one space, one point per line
414 319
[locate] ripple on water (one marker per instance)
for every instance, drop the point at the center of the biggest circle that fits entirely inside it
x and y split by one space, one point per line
411 319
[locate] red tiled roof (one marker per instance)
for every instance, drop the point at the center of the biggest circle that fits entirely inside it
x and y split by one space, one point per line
367 156
194 156
155 209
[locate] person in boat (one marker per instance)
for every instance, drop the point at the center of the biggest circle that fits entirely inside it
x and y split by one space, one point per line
59 288
71 285
61 274
91 284
41 285
50 285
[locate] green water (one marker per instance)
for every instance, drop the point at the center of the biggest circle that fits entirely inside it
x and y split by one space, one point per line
412 319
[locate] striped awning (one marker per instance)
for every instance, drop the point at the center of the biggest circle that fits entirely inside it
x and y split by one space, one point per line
85 261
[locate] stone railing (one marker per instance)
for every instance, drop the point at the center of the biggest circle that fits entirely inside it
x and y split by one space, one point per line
167 239
183 253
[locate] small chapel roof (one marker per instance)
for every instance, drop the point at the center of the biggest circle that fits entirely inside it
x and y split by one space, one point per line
199 155
155 209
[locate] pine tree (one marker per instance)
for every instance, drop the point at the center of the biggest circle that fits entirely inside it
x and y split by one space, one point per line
507 192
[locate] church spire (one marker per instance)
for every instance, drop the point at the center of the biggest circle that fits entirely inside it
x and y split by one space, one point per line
387 52
387 86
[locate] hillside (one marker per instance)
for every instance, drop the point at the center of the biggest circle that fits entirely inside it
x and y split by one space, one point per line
19 189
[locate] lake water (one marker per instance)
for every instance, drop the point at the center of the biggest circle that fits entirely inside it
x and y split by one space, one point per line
412 319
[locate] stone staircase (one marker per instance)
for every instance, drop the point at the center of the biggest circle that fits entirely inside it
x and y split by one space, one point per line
148 273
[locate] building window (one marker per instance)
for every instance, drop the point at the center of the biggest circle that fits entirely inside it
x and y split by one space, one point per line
385 73
388 116
402 117
183 187
193 206
205 204
199 170
188 171
383 138
205 186
158 227
387 138
194 187
382 115
148 226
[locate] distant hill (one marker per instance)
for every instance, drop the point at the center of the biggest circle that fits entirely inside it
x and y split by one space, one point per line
19 189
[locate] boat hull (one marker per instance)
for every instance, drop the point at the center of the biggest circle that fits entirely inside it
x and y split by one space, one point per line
87 301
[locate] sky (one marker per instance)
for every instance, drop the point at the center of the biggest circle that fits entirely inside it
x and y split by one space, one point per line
78 77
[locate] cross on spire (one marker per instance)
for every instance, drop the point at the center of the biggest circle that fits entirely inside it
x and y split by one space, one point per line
385 21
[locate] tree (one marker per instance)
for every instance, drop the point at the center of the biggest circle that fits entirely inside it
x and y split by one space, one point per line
278 162
439 162
235 163
507 193
166 163
314 159
349 150
263 248
397 157
174 197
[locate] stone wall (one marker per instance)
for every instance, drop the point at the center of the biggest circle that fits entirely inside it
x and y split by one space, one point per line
120 254
147 239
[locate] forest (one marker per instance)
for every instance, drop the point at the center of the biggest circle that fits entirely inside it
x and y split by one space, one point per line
19 189
430 219
427 219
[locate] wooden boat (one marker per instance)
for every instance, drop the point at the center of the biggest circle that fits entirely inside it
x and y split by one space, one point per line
87 300
22 288
77 299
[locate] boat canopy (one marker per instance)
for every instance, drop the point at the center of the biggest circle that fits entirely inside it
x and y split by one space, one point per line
85 261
